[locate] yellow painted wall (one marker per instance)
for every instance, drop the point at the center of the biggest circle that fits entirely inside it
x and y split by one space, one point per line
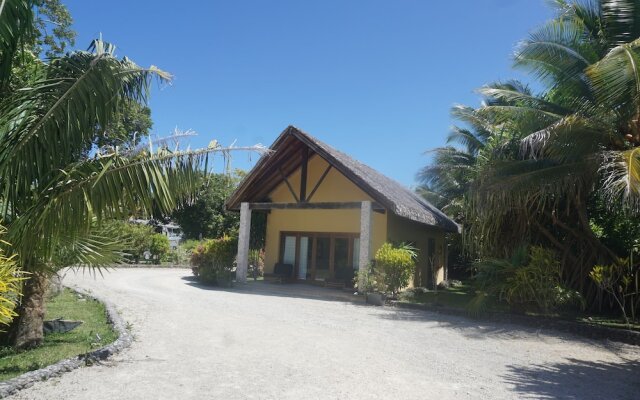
335 188
404 230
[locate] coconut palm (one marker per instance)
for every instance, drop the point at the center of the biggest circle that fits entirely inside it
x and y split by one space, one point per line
586 143
446 180
51 194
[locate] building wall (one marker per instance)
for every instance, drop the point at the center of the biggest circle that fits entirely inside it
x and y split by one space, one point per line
335 188
404 230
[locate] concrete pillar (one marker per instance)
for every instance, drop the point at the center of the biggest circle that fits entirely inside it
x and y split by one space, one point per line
366 224
243 243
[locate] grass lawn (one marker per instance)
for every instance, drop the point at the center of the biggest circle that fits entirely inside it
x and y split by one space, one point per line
459 298
454 297
59 346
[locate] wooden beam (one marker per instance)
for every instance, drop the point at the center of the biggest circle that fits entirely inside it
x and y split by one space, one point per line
303 174
324 175
295 197
350 205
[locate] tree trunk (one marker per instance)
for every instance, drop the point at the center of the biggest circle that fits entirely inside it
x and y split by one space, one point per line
26 330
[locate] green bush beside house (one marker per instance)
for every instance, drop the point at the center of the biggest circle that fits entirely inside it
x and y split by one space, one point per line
213 261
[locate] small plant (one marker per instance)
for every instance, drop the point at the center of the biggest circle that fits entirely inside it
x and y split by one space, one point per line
213 261
256 263
369 280
531 278
616 279
139 242
10 287
159 246
397 264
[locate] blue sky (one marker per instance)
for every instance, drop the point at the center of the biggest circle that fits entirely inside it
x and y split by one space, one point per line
374 78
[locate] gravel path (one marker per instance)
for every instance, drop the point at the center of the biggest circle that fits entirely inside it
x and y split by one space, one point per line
268 341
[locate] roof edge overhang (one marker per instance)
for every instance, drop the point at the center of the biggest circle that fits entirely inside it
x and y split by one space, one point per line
234 201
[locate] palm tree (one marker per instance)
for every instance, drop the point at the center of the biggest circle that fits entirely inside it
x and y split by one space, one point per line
586 144
51 194
446 180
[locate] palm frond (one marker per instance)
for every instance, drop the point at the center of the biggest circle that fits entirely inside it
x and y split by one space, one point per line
556 52
108 187
621 178
571 138
46 126
621 20
532 184
470 140
16 22
518 98
616 78
93 250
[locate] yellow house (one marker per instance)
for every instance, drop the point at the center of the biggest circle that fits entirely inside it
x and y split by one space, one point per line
328 214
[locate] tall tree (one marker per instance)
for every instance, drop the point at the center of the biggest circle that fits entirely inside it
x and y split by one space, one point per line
52 195
577 142
206 216
53 34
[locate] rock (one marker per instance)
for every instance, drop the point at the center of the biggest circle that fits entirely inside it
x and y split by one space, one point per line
60 326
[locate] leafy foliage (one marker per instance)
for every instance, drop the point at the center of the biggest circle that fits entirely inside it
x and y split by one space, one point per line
529 280
131 124
560 168
53 28
370 280
620 281
54 192
136 239
256 263
213 260
397 265
10 288
206 216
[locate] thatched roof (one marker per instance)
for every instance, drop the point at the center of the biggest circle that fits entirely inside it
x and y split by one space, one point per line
393 196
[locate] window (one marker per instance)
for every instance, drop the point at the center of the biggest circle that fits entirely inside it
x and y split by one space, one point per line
318 256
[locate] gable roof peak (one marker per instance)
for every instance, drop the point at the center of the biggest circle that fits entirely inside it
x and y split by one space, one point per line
394 196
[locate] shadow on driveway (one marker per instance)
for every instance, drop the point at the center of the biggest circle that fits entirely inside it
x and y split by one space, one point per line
292 290
469 327
481 329
574 379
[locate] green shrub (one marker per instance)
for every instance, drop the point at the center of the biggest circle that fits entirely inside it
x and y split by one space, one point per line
529 281
159 246
182 254
397 264
213 261
256 263
370 280
136 239
620 281
189 245
10 288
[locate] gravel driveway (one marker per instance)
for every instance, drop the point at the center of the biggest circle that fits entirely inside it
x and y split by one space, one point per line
269 341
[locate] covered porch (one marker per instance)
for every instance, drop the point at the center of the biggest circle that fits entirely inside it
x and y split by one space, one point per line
315 256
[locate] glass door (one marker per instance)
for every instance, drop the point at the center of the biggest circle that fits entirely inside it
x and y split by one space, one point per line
320 256
323 258
289 251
